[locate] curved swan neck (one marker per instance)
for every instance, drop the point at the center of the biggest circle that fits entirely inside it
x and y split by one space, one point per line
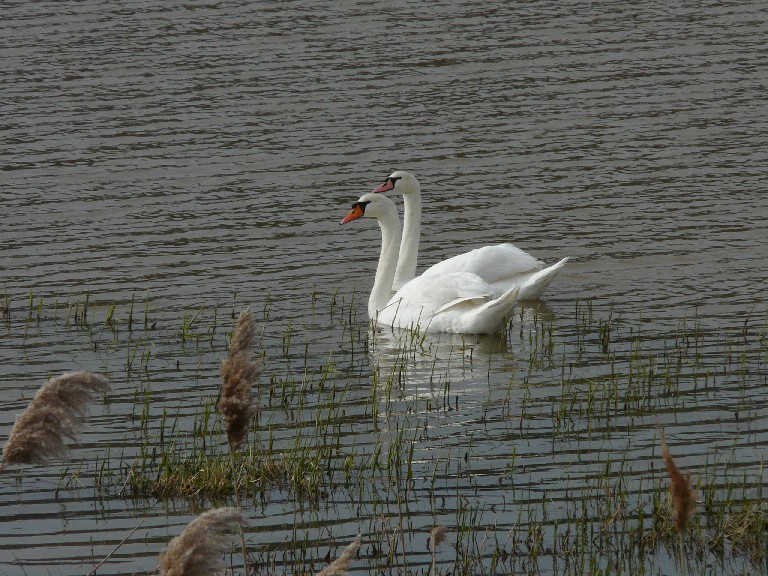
385 271
409 249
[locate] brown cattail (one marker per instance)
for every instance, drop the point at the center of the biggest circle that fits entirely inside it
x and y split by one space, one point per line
55 413
238 371
198 550
437 536
339 566
679 488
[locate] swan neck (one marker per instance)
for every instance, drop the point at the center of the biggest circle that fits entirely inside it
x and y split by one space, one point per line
385 271
409 249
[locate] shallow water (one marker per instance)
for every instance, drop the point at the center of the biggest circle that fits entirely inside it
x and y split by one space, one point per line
202 155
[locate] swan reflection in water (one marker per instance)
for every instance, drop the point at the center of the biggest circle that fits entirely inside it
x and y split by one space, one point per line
411 364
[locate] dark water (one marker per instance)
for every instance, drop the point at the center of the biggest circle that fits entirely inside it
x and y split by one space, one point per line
201 155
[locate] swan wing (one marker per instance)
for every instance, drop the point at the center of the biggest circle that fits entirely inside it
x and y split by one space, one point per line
452 302
441 289
456 302
432 295
491 263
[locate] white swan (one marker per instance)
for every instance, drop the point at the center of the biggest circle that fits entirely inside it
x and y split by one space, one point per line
437 302
502 265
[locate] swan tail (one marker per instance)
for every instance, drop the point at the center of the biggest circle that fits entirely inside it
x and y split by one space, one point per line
534 287
491 315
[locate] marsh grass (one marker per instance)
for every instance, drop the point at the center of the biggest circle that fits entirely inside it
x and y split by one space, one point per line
196 475
536 454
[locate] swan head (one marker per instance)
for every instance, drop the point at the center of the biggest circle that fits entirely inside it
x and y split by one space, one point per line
371 206
399 182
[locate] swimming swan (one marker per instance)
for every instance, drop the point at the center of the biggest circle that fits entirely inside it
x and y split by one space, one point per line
436 301
501 265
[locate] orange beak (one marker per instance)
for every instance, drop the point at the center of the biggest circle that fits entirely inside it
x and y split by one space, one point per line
386 187
354 214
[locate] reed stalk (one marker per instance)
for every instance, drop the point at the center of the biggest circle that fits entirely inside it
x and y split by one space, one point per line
238 372
436 537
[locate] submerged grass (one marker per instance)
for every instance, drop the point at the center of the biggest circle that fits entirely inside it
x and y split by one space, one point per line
536 450
203 475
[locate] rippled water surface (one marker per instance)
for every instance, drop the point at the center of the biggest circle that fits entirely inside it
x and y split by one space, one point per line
181 162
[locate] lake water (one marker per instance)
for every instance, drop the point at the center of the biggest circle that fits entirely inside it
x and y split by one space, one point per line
200 156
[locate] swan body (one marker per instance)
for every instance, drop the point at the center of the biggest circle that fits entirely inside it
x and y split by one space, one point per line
502 265
451 301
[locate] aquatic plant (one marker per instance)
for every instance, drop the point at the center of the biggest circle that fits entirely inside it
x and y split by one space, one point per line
55 414
339 566
198 550
384 430
437 536
682 498
679 488
238 371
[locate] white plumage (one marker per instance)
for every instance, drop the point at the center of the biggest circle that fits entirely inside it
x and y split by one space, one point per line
437 301
501 265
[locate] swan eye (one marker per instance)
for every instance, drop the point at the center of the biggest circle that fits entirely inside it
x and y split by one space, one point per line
393 179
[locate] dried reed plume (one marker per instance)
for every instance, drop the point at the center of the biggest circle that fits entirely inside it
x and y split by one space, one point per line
55 413
436 537
339 566
238 371
680 489
198 550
